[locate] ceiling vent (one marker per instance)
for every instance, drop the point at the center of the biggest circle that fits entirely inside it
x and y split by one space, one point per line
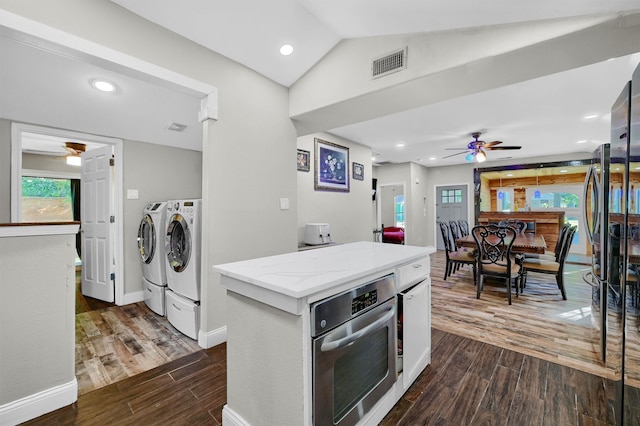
389 63
176 127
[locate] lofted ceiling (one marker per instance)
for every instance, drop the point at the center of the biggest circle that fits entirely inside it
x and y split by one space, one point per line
544 115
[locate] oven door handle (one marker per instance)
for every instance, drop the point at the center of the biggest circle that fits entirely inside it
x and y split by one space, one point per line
330 345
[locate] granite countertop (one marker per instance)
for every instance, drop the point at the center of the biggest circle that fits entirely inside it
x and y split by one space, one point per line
301 274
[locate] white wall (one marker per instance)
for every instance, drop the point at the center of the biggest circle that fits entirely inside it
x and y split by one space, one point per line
343 211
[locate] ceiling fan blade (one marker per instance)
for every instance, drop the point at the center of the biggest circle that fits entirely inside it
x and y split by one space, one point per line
457 153
498 148
456 149
490 144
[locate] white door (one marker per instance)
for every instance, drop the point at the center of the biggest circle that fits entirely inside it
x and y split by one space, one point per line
451 204
96 205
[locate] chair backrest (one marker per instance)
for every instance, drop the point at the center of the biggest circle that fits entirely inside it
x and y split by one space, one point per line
446 238
531 228
464 227
566 244
561 237
494 244
455 231
520 226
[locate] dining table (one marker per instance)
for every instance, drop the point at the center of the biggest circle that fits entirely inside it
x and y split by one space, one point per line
524 243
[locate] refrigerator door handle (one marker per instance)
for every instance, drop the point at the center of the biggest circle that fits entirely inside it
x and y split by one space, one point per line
586 213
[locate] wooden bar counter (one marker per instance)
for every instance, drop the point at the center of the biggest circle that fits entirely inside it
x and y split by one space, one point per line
548 224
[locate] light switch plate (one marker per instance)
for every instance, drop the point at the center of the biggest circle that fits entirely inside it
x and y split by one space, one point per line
284 204
132 194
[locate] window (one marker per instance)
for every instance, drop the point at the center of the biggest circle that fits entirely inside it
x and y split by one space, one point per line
553 198
46 199
504 200
399 210
451 196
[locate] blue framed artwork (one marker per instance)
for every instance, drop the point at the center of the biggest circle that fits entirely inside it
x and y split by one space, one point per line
331 167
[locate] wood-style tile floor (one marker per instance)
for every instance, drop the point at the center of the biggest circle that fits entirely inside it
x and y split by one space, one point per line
122 341
116 342
487 368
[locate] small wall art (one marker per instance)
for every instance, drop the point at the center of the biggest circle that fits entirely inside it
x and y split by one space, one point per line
304 160
358 171
331 166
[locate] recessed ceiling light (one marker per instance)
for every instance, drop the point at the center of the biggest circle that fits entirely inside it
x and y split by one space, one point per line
400 145
103 85
590 116
286 49
582 141
432 158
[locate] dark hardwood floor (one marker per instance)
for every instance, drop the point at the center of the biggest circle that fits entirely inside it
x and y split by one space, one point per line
473 379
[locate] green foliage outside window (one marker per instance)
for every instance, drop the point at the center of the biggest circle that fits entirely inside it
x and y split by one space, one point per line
45 187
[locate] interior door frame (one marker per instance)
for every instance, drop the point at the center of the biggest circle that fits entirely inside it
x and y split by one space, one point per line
470 208
379 205
16 186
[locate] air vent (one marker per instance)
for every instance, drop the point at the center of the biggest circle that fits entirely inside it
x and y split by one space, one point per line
389 63
176 127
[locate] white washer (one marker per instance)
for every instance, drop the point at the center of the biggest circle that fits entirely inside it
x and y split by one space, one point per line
182 246
151 247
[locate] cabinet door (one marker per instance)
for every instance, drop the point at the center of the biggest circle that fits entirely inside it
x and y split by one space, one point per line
416 331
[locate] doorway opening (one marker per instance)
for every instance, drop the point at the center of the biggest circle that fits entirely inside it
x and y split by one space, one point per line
391 212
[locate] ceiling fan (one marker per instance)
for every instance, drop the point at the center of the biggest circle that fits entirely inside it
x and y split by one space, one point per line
476 149
74 150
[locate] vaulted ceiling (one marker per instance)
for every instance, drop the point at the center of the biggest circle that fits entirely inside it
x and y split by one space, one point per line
547 114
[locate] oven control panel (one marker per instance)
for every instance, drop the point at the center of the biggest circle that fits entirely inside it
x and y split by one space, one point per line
333 311
364 301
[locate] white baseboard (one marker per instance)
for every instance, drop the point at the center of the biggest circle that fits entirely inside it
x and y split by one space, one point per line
212 338
135 297
40 403
231 418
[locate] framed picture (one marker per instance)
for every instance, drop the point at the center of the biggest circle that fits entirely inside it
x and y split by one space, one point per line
304 160
358 171
331 167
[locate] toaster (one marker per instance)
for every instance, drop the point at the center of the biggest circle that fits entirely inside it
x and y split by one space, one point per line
316 233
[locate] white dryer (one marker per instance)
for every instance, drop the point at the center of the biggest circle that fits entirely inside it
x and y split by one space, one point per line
182 246
151 247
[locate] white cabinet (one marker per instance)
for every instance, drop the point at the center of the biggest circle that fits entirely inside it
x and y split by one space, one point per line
414 298
416 330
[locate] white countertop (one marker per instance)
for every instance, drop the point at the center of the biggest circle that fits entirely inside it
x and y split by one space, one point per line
301 274
33 229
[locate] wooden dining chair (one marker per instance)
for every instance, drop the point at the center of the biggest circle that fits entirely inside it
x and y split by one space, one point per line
555 254
495 259
456 257
551 266
464 227
455 232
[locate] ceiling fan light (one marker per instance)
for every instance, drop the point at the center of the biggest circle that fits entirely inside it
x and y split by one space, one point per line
481 157
74 160
469 157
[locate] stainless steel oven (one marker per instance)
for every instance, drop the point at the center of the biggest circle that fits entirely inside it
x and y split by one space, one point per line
354 351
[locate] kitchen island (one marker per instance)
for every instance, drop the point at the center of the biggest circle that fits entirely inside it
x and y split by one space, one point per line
269 333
